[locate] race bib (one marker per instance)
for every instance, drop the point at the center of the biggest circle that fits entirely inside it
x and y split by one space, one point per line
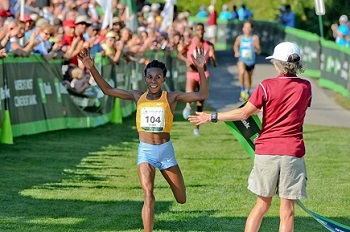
152 119
247 54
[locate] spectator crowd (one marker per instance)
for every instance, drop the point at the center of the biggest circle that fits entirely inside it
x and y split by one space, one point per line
62 28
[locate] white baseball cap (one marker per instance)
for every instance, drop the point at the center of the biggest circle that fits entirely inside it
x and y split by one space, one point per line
283 50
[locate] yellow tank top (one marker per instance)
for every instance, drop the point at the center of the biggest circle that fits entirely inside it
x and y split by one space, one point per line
154 115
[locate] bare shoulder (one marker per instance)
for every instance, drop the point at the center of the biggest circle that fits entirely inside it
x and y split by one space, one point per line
238 38
210 43
136 94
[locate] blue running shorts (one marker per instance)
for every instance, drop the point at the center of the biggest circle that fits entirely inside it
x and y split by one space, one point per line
161 156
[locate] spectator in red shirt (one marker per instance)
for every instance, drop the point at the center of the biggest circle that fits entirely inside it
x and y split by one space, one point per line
71 43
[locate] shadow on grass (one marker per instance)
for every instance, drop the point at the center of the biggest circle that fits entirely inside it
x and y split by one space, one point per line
65 215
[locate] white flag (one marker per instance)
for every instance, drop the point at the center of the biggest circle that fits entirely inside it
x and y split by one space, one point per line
168 14
107 8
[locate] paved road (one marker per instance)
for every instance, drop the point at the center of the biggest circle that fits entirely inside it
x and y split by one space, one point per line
224 92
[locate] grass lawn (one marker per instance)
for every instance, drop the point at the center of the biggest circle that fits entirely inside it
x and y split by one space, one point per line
86 180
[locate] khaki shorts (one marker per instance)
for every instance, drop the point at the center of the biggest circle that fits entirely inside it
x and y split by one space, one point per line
282 175
211 31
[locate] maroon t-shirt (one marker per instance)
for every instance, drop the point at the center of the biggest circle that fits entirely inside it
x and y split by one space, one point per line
284 101
212 19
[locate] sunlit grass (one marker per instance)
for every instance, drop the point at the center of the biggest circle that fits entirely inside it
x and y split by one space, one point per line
86 180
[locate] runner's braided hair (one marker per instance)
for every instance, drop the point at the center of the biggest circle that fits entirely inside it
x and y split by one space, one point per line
156 64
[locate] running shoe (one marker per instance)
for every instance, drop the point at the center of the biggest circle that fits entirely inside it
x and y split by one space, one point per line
242 96
186 112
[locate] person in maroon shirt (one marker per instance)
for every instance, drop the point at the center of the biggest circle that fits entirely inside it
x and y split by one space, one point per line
212 26
279 166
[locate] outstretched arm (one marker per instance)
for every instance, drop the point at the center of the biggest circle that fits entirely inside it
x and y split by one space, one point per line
199 60
84 56
232 115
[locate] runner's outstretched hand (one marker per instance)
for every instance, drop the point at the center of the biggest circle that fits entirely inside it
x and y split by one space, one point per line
198 57
84 56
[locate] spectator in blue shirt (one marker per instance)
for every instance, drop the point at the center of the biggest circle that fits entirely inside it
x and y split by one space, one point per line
244 13
235 12
341 32
225 13
43 45
202 13
288 18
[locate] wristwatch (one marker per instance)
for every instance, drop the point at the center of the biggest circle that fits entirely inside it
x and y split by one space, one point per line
214 117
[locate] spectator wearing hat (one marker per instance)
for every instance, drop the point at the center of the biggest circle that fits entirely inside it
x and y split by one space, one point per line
202 13
69 32
108 45
225 14
14 44
279 165
71 43
94 38
341 33
117 26
29 25
82 22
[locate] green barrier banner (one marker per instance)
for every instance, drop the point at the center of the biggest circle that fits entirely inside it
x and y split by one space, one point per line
245 132
106 69
309 44
25 101
270 35
335 70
